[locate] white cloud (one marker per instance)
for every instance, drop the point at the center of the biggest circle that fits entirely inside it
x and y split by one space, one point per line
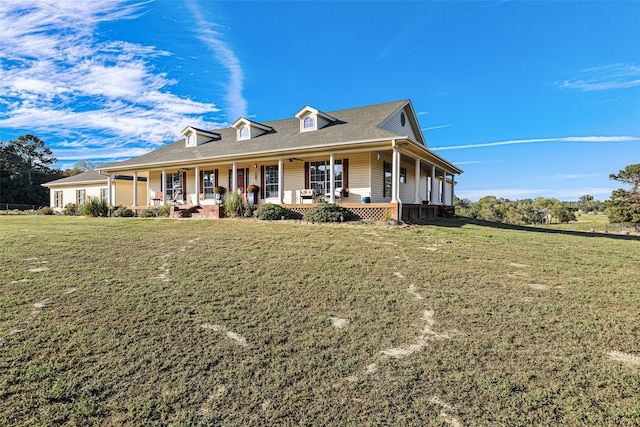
606 77
587 139
437 127
58 78
236 104
601 193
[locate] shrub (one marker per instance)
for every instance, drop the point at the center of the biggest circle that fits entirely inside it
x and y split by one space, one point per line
122 212
326 212
234 206
46 210
272 212
95 207
160 211
70 209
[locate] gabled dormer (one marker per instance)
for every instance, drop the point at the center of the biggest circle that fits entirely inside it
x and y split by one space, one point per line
247 129
312 119
194 136
403 121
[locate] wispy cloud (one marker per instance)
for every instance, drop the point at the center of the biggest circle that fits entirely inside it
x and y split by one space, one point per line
57 77
437 127
236 103
585 139
606 77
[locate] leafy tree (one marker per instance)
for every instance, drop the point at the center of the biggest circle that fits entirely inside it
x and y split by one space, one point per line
24 166
624 206
82 166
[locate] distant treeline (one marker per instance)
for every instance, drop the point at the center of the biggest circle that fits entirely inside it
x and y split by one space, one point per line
541 210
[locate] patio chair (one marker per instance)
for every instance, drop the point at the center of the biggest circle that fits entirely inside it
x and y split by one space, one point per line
156 198
307 195
337 194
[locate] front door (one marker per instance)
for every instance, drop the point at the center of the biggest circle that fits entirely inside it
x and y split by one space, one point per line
242 178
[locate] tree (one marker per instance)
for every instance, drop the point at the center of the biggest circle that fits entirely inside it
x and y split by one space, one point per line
624 206
24 165
82 166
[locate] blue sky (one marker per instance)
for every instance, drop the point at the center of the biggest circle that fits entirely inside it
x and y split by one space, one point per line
528 98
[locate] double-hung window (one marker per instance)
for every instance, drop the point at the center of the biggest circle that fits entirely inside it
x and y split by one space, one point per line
173 184
208 182
387 180
80 196
271 181
320 175
58 198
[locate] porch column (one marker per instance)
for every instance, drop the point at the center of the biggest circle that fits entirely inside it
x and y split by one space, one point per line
453 198
395 175
109 190
434 187
332 179
197 181
135 189
418 199
234 177
445 189
280 180
163 184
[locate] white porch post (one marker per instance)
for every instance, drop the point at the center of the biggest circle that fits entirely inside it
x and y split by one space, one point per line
234 177
135 189
280 180
395 172
109 190
197 180
453 198
163 184
418 198
434 187
332 179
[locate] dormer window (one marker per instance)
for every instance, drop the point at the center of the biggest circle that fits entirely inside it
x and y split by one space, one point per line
309 123
194 137
312 119
244 132
248 129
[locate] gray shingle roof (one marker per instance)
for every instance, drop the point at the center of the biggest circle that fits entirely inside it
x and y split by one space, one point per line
91 176
354 124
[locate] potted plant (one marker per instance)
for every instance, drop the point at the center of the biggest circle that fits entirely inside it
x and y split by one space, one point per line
218 192
252 194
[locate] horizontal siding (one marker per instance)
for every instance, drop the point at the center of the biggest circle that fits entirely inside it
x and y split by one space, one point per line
394 124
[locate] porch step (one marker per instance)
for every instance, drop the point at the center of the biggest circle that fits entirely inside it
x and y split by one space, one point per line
447 211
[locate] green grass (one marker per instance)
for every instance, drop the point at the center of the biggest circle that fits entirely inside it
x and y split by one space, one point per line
129 321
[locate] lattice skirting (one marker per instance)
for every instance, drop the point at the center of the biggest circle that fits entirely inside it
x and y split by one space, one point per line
371 213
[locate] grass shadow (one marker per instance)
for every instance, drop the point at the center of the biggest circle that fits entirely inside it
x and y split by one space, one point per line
461 221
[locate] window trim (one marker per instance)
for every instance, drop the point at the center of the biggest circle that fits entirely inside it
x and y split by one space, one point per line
271 173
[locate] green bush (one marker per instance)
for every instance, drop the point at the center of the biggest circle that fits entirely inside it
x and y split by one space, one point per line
46 210
160 211
326 212
95 207
272 212
122 212
70 209
234 205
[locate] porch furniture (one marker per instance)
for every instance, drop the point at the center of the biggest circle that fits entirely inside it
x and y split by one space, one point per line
307 195
156 198
337 193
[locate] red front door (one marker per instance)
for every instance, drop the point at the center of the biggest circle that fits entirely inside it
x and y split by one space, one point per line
241 181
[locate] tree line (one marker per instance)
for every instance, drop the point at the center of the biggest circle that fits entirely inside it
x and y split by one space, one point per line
25 164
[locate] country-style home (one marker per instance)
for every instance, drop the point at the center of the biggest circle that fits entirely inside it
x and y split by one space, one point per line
372 160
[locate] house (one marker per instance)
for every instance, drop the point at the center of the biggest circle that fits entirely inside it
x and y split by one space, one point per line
372 160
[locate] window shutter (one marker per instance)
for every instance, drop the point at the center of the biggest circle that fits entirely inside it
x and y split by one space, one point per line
306 175
262 181
184 187
345 177
215 177
201 185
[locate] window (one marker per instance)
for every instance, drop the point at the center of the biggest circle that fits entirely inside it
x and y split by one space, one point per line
387 180
58 199
80 196
173 184
308 123
320 177
244 132
104 194
271 181
403 175
208 182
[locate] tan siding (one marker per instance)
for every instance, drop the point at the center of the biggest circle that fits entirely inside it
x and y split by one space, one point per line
377 177
394 125
359 176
